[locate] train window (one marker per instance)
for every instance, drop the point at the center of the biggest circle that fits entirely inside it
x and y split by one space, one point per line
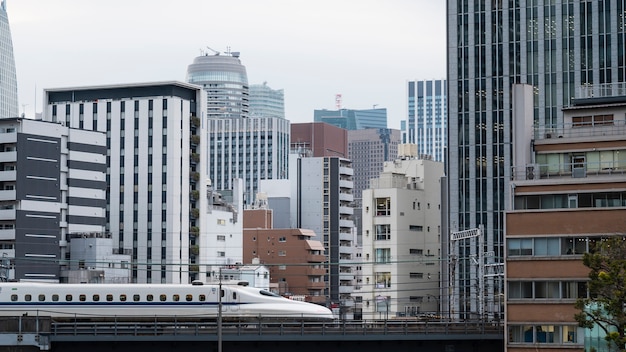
55 298
189 298
13 298
123 298
221 293
96 298
149 298
202 298
109 298
268 293
28 298
82 298
234 295
163 298
68 298
136 298
176 298
42 298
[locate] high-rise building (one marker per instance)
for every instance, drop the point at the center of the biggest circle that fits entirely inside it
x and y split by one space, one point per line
52 186
8 79
240 146
319 139
426 123
351 119
225 81
266 102
155 167
554 46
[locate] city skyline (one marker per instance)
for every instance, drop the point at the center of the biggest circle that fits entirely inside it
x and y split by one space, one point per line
312 51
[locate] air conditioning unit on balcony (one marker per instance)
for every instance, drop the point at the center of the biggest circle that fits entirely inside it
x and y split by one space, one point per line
532 172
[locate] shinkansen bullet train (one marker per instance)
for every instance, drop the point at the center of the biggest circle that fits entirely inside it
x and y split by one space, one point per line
153 301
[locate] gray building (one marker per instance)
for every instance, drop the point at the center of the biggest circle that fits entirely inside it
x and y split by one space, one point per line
8 78
52 184
554 46
155 168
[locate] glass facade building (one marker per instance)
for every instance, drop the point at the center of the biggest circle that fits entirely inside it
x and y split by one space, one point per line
8 79
426 118
350 119
556 46
225 80
266 102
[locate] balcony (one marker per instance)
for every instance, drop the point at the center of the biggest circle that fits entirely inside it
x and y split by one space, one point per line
346 184
315 258
346 210
576 169
346 223
7 235
319 285
347 197
7 195
315 271
607 130
7 214
8 138
8 175
346 170
6 157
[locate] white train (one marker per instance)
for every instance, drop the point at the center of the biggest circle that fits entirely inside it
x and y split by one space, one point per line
152 302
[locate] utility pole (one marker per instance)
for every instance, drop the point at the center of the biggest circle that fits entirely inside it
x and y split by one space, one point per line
219 313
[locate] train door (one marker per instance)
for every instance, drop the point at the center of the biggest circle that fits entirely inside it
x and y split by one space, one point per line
233 300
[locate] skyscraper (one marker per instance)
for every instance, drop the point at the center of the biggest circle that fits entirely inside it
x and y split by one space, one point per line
225 80
240 146
8 78
556 46
266 102
427 117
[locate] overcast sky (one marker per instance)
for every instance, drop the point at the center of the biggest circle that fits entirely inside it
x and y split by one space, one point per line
364 50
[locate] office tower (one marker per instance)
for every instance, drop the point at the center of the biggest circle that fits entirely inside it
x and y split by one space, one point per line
266 102
401 229
319 139
8 80
351 119
554 46
239 146
368 149
225 81
53 185
426 123
156 188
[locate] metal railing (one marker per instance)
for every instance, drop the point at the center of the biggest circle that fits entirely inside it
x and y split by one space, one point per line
577 130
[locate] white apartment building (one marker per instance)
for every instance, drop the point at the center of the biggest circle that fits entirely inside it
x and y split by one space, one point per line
155 167
401 260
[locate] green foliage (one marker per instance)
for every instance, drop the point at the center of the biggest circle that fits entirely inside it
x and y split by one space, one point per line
607 291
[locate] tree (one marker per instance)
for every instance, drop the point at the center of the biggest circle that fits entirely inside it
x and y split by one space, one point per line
606 304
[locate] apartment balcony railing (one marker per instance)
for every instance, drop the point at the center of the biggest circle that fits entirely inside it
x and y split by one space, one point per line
316 258
568 170
603 90
616 128
315 271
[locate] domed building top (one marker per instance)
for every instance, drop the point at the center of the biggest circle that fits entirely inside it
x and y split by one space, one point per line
225 80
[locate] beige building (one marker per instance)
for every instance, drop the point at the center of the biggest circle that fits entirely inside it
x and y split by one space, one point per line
568 191
401 264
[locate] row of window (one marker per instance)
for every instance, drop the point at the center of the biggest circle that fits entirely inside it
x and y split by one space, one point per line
111 297
554 334
547 289
551 246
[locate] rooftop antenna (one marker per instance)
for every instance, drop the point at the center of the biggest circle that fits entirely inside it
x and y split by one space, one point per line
214 51
338 101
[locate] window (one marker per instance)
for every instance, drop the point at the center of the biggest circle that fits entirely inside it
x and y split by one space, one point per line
383 206
383 255
416 228
136 298
415 251
55 298
176 298
221 222
149 298
383 232
221 254
282 253
221 238
95 298
282 239
163 298
122 298
189 298
383 280
68 298
202 298
42 298
82 298
416 275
